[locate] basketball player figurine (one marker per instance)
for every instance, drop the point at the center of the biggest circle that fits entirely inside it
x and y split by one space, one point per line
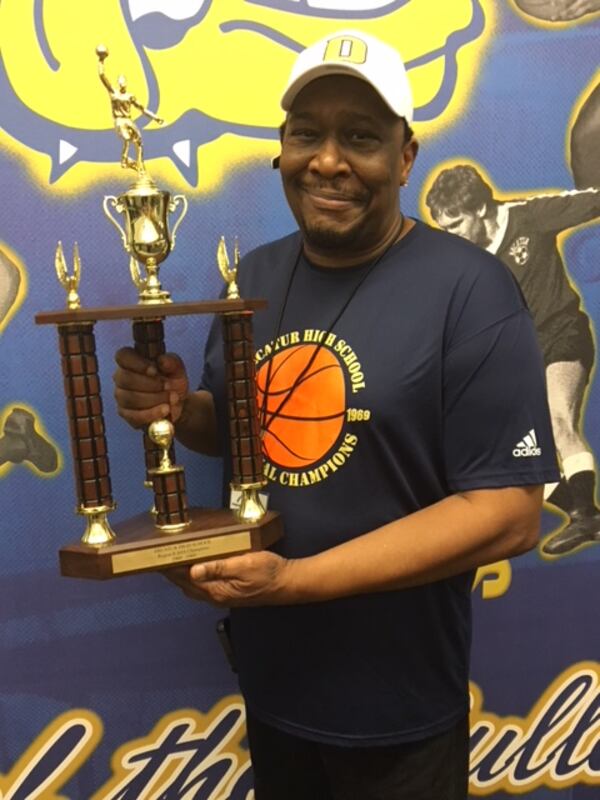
122 104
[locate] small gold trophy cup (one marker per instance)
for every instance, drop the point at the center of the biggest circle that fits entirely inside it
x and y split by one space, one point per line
171 533
146 236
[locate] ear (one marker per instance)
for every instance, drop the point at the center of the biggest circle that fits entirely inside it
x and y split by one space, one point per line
407 160
275 160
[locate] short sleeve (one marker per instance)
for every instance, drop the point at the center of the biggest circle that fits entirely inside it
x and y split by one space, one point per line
497 429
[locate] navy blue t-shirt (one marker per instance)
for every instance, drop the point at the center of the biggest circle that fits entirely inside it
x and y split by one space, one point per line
383 391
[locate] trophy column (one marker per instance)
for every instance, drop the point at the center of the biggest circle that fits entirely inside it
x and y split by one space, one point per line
244 424
168 482
86 422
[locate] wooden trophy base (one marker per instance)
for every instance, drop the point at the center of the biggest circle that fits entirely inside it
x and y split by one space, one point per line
142 547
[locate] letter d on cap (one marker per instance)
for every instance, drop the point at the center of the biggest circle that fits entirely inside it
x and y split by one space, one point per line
346 48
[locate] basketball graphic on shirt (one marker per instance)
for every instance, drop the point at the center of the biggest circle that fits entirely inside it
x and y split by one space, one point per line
302 393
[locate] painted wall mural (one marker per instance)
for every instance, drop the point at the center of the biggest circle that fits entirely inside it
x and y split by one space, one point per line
119 689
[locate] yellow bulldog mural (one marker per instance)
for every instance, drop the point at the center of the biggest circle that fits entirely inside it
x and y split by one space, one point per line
214 71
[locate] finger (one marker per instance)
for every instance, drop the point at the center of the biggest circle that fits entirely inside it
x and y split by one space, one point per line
196 593
213 571
127 358
128 380
142 418
171 365
204 597
139 401
217 593
242 567
181 578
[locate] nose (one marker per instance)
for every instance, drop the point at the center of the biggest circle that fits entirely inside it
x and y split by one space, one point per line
329 159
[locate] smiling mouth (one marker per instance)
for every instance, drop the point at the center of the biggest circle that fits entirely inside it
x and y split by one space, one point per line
332 201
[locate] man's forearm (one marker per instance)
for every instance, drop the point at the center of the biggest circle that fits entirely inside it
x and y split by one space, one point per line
456 535
196 428
460 533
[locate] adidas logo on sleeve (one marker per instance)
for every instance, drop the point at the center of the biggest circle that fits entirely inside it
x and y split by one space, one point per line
528 446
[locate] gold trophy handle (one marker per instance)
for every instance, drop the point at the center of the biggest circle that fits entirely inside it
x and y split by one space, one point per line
111 200
136 275
179 199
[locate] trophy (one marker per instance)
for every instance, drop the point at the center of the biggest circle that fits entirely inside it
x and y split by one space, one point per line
170 533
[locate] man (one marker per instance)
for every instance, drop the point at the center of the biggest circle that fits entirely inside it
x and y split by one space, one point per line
351 638
523 234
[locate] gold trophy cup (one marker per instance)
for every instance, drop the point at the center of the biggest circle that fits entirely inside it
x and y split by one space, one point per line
146 236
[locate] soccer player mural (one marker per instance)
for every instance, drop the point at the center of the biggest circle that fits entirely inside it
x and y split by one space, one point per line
523 233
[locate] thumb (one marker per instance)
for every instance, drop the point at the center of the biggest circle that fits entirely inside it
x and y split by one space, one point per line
209 571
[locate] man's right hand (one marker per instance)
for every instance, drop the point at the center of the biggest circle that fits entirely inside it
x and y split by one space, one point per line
145 391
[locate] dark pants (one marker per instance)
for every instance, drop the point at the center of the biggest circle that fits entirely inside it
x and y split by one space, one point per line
289 768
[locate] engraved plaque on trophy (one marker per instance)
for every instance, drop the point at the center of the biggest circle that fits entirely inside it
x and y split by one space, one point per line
170 533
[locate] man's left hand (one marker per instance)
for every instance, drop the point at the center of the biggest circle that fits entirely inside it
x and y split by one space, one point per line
254 579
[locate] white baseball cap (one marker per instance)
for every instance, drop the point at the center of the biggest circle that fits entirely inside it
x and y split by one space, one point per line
355 53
